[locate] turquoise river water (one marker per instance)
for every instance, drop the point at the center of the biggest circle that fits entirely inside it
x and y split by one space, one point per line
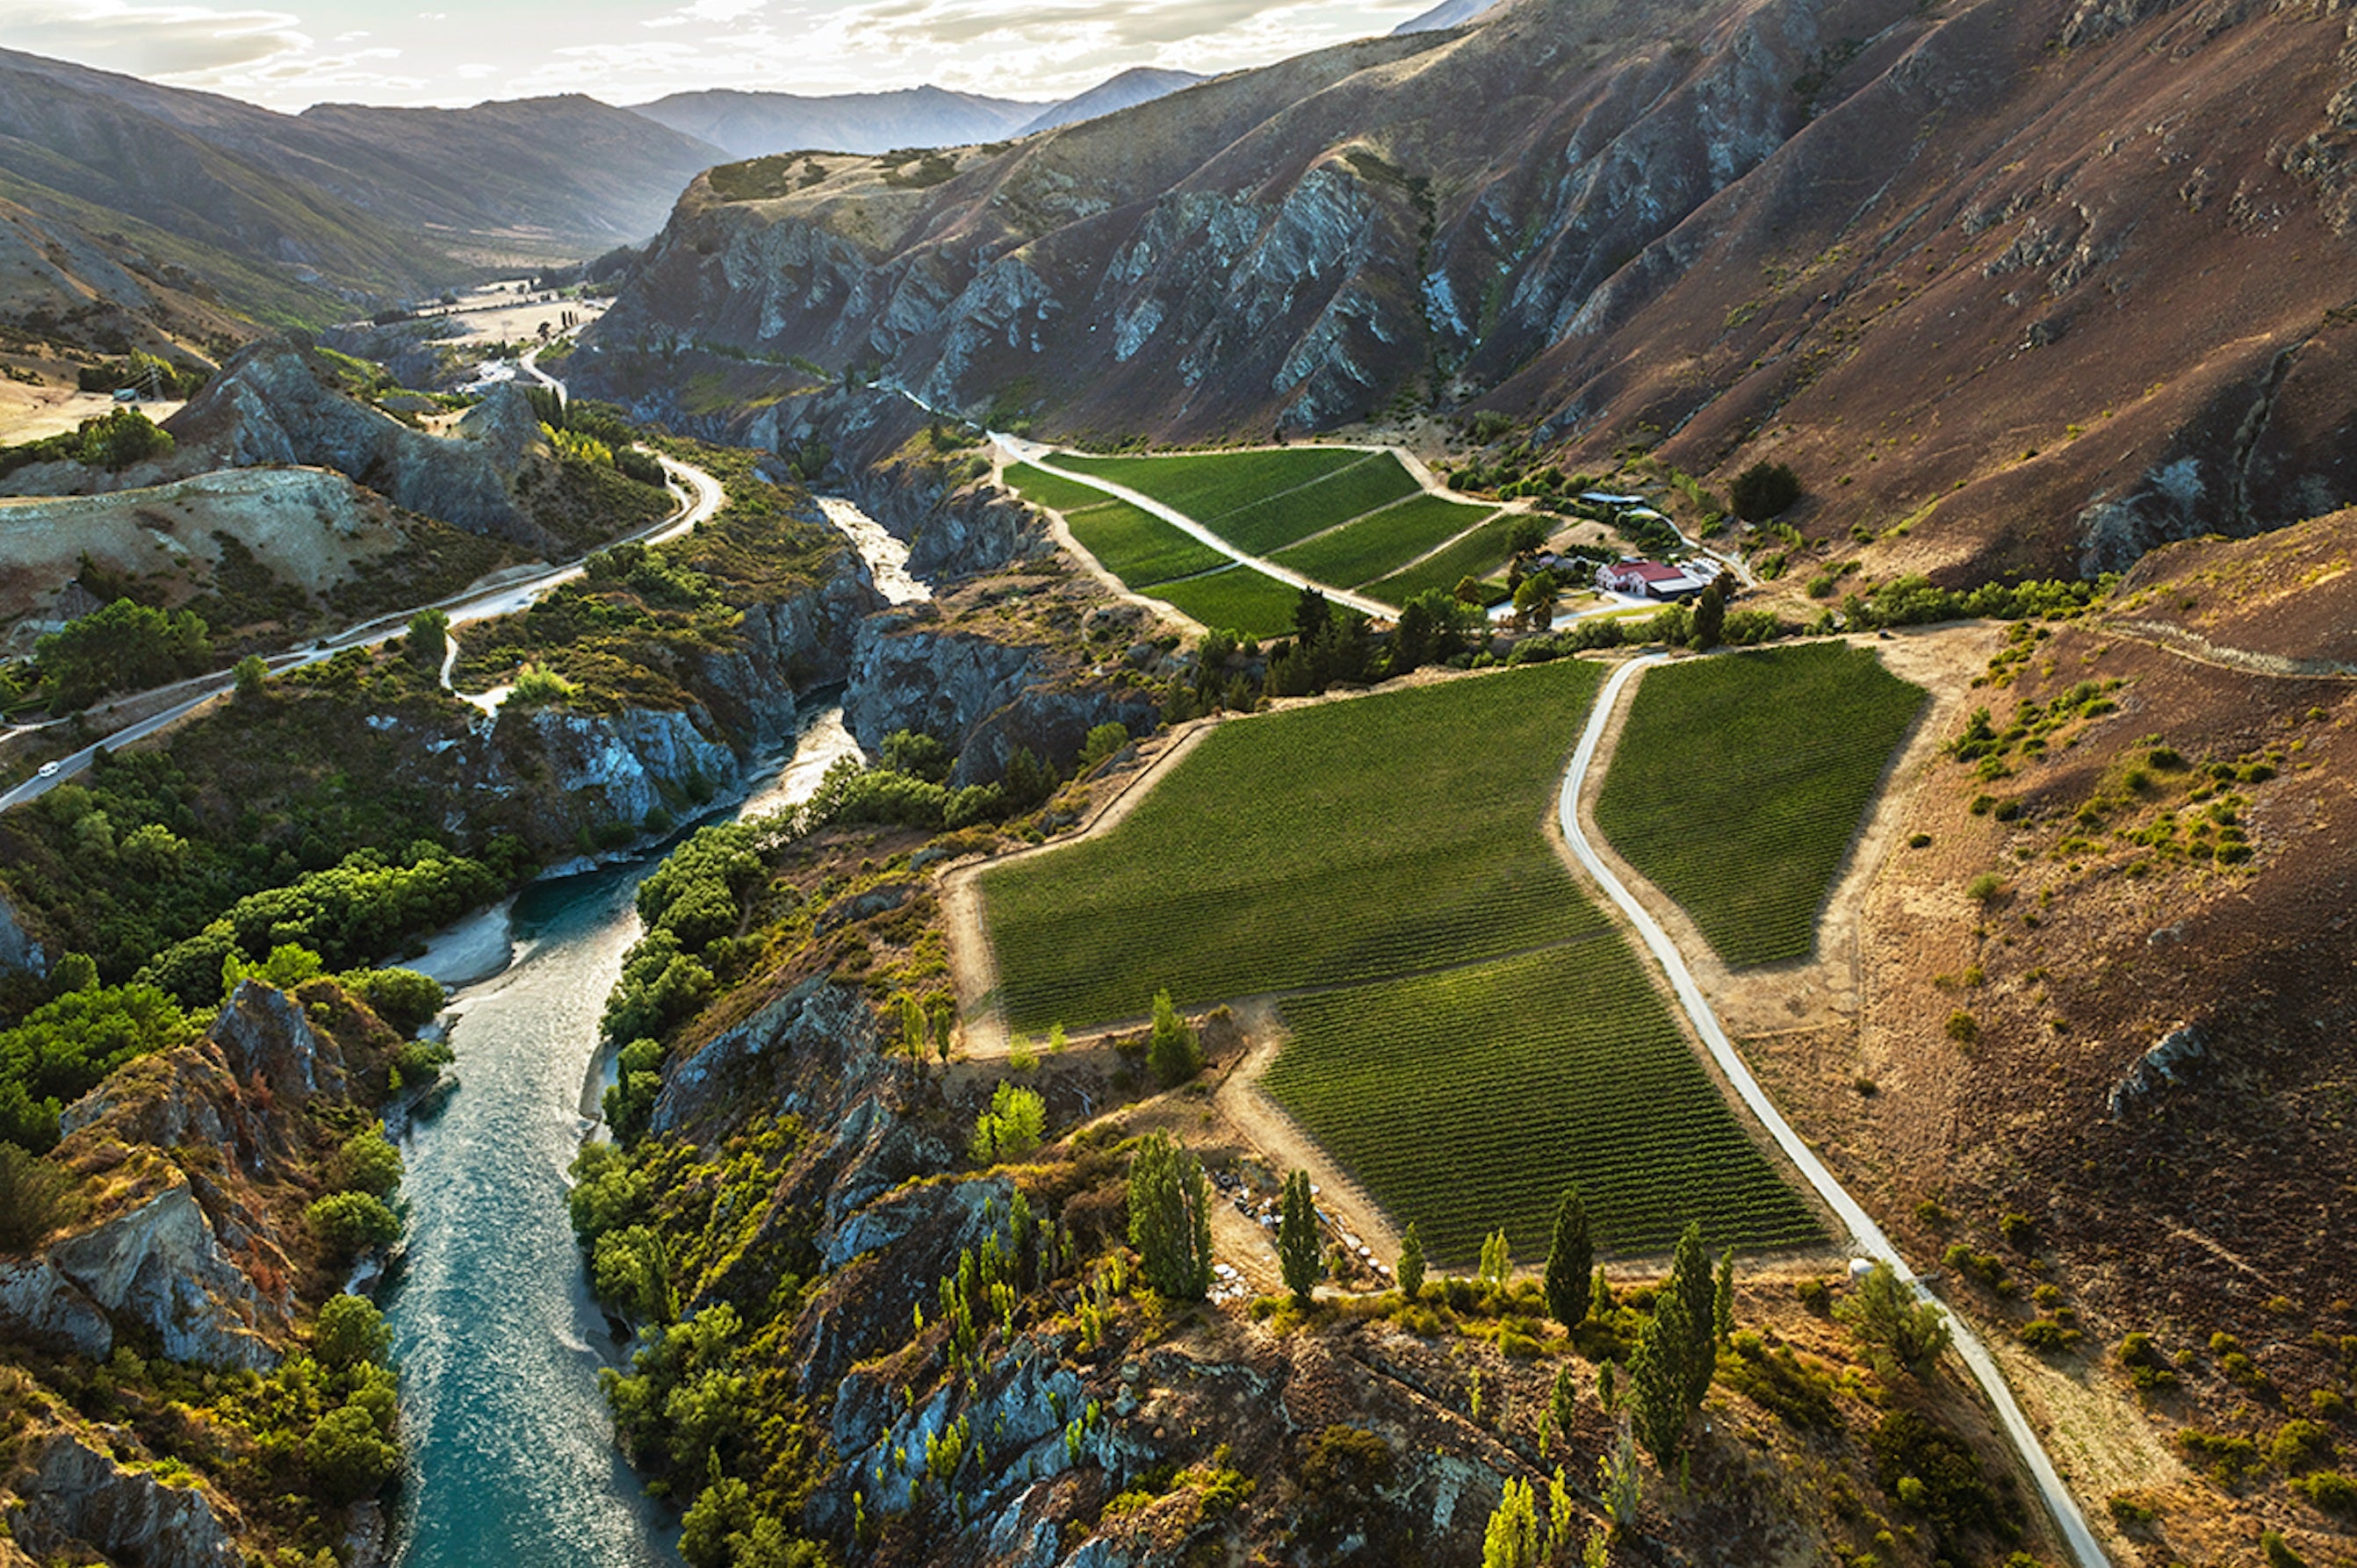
510 1453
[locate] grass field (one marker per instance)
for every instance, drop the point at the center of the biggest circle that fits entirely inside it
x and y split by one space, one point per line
1739 782
1204 485
1469 1100
1238 599
1477 555
1383 542
1345 841
1137 546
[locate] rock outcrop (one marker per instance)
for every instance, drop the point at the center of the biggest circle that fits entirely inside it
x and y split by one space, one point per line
161 1264
80 1495
982 695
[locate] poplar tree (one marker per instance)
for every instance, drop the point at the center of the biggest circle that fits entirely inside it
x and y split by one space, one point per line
1569 1260
1512 1539
1722 1306
1692 1282
1297 1239
1170 1219
1658 1399
1172 1050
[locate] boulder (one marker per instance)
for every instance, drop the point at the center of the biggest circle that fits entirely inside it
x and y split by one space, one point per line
2158 1068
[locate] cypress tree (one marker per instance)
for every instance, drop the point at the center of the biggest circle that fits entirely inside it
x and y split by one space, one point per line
1297 1239
1722 1306
1569 1260
1411 1263
1658 1398
1692 1282
1172 1051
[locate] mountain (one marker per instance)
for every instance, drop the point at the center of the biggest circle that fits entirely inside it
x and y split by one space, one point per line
1448 14
2013 284
362 203
1141 84
754 124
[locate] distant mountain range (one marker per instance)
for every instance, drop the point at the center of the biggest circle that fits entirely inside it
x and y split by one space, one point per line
756 125
1448 14
2016 285
138 216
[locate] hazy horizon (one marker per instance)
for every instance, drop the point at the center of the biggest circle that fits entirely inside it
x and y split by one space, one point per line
631 51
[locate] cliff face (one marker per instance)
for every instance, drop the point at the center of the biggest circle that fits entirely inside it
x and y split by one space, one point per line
208 1156
2049 281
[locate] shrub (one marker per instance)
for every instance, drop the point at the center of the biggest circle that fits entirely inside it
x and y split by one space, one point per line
537 687
2301 1447
1985 888
37 1197
1963 1027
2330 1490
406 1000
1763 491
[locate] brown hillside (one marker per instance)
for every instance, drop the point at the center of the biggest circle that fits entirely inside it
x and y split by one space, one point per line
2051 284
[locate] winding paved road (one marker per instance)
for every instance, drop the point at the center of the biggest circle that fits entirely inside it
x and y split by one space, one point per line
698 495
2072 1524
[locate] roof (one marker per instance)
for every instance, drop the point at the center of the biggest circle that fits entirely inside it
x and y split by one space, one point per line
1653 572
1607 497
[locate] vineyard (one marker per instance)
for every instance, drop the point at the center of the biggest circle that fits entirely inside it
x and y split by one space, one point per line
1382 541
1344 841
1470 1099
1739 782
1137 546
1052 490
1477 555
1238 599
1205 485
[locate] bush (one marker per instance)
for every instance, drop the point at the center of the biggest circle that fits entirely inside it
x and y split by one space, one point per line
2301 1447
1763 491
406 1000
124 647
2330 1490
36 1198
349 1222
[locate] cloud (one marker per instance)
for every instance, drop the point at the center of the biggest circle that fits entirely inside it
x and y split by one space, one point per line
164 41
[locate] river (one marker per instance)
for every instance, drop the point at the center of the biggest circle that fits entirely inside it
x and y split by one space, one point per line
509 1452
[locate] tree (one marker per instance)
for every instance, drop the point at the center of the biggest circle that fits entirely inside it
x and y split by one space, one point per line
1010 1127
1172 1050
1525 534
1170 1217
348 1221
1313 619
1890 1325
1413 637
1512 1539
1722 1303
1469 591
1497 1258
351 1330
1534 600
429 639
1709 618
1298 1253
350 1459
1411 1263
122 647
367 1163
1570 1261
251 676
1691 1281
1660 1401
1763 491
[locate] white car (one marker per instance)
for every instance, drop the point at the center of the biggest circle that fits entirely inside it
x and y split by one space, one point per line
48 770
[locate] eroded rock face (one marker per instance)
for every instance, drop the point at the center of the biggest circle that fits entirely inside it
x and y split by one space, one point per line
2160 1068
160 1264
269 405
265 1035
79 1495
41 1306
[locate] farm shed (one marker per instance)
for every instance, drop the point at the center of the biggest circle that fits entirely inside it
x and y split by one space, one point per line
1651 579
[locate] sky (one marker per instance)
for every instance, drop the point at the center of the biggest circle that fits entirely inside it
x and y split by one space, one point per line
629 51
